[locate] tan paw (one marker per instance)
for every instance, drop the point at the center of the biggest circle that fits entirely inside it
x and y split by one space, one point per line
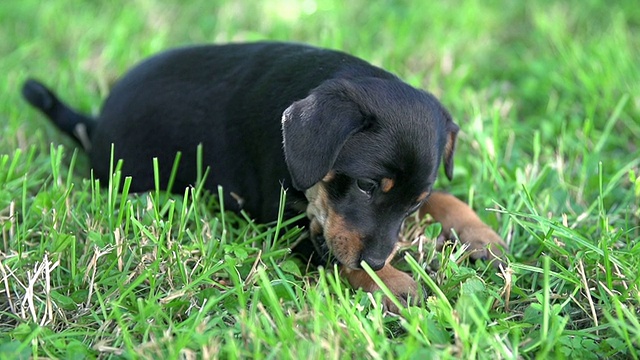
484 243
405 289
401 285
455 215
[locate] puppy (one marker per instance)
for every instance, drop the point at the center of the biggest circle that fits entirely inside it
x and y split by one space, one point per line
356 148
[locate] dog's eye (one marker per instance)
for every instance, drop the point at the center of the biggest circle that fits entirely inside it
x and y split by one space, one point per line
367 186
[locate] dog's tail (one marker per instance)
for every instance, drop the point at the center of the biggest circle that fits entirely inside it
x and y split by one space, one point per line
78 126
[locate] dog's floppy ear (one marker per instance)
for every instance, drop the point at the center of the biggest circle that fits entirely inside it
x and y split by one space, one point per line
314 131
450 146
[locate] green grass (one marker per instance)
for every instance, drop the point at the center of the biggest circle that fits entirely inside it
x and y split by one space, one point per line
547 95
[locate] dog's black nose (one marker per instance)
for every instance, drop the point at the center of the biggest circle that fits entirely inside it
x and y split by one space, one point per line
375 264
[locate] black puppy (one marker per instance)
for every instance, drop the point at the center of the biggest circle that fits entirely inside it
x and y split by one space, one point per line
357 148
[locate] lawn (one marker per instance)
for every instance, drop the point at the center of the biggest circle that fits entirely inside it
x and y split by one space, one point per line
548 98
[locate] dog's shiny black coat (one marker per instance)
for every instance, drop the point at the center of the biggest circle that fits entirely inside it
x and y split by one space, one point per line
271 115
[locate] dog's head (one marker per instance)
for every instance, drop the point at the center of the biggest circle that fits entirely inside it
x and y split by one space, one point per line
366 152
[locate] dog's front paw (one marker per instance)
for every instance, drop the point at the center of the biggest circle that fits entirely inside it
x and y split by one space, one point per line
401 285
405 289
456 216
484 243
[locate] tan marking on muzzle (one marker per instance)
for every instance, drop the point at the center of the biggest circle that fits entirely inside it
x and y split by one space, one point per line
344 243
318 203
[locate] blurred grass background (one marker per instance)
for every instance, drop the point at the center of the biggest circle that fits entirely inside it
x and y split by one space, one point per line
547 94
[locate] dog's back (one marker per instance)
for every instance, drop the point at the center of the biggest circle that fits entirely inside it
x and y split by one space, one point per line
229 97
